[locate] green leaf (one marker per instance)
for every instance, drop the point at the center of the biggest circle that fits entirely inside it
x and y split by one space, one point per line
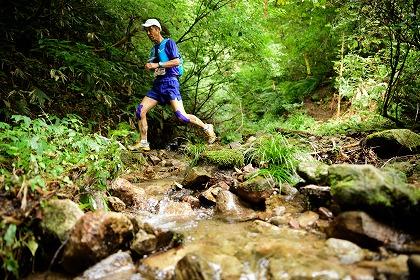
10 235
32 246
12 265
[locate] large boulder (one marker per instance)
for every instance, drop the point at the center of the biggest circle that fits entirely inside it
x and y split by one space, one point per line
394 142
94 237
379 192
360 228
59 217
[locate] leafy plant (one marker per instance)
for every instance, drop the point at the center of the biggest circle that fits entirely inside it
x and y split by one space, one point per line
47 155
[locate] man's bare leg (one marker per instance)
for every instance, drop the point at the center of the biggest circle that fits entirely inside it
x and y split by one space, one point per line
146 104
179 110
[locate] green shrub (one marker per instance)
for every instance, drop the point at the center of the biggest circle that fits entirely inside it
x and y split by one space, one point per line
47 154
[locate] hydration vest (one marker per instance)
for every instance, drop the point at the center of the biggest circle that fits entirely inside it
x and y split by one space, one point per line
163 57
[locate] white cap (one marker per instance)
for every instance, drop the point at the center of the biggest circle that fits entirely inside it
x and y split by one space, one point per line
151 22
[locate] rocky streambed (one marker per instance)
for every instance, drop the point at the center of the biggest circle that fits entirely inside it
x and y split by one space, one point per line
170 221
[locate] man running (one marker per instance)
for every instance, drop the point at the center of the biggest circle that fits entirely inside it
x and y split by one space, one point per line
165 62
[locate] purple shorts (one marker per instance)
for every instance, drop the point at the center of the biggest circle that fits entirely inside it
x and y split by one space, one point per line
164 90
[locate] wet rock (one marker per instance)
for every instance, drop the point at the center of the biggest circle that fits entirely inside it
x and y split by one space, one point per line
144 243
95 236
307 219
128 193
192 201
59 217
413 263
209 195
175 208
313 172
116 204
283 268
316 195
196 178
166 238
288 190
154 159
223 185
294 223
195 267
279 210
262 227
359 273
280 220
363 230
117 266
325 213
392 268
394 142
231 267
346 251
322 225
372 190
255 190
229 207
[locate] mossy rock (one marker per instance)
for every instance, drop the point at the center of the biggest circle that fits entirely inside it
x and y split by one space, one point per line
394 142
381 192
59 217
132 158
224 158
313 172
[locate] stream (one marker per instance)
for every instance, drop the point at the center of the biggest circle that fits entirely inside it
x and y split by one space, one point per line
228 240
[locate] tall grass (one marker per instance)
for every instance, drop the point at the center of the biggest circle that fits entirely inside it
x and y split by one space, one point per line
275 156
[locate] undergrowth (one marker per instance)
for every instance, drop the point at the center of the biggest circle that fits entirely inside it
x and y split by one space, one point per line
39 158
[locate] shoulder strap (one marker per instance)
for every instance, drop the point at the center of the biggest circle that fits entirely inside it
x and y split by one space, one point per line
161 51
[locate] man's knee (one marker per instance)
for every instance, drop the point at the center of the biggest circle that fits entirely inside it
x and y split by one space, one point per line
182 117
139 111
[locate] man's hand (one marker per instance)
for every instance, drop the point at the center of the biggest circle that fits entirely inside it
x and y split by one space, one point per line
151 66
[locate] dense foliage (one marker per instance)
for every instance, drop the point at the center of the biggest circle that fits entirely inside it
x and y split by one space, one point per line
250 66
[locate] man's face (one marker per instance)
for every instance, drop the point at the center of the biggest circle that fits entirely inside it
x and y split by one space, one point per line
153 33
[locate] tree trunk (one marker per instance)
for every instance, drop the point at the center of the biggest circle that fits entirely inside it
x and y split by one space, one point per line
340 74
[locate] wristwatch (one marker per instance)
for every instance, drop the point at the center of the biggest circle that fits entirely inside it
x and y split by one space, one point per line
160 64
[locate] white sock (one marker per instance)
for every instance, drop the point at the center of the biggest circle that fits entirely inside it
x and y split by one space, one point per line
143 141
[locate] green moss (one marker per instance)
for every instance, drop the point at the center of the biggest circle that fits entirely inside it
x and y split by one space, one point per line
405 137
59 217
224 158
258 184
364 185
130 158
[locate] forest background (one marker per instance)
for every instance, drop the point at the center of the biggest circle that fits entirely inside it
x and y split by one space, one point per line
72 72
